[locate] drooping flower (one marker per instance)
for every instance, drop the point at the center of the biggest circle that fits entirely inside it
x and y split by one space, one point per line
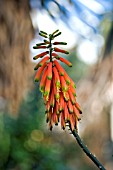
57 87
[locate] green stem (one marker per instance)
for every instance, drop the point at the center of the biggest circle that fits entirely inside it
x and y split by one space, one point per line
86 150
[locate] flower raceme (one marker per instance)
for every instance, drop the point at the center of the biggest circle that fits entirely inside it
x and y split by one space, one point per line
57 87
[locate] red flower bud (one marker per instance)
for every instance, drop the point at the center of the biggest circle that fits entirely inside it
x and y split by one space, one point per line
60 50
59 43
37 47
40 55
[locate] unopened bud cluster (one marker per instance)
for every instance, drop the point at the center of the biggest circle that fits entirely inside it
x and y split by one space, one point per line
57 87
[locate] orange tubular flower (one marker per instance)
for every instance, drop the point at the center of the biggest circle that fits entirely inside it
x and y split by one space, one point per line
73 122
78 107
57 78
47 89
52 98
72 97
56 91
65 61
55 118
43 80
76 112
57 107
61 108
44 60
49 71
70 106
66 112
39 72
63 124
48 106
57 87
59 67
72 90
63 84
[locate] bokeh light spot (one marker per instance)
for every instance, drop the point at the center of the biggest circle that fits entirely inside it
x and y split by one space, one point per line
37 135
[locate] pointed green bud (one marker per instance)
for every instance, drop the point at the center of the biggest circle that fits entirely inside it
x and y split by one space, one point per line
43 35
43 32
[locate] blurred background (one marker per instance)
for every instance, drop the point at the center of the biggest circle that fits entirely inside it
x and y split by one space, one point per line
87 27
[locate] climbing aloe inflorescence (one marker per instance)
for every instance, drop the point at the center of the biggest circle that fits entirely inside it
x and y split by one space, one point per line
57 87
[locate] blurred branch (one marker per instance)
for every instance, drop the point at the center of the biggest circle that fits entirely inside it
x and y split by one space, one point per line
86 150
109 43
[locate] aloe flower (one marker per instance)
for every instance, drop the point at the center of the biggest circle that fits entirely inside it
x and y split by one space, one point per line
57 88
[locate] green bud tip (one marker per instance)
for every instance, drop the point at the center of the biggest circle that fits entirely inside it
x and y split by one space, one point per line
55 32
49 77
43 32
70 65
34 47
43 35
66 52
35 68
36 80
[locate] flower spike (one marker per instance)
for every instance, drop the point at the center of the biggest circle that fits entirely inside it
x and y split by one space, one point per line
57 87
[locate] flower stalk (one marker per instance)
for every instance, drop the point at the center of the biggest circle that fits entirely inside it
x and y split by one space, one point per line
86 150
